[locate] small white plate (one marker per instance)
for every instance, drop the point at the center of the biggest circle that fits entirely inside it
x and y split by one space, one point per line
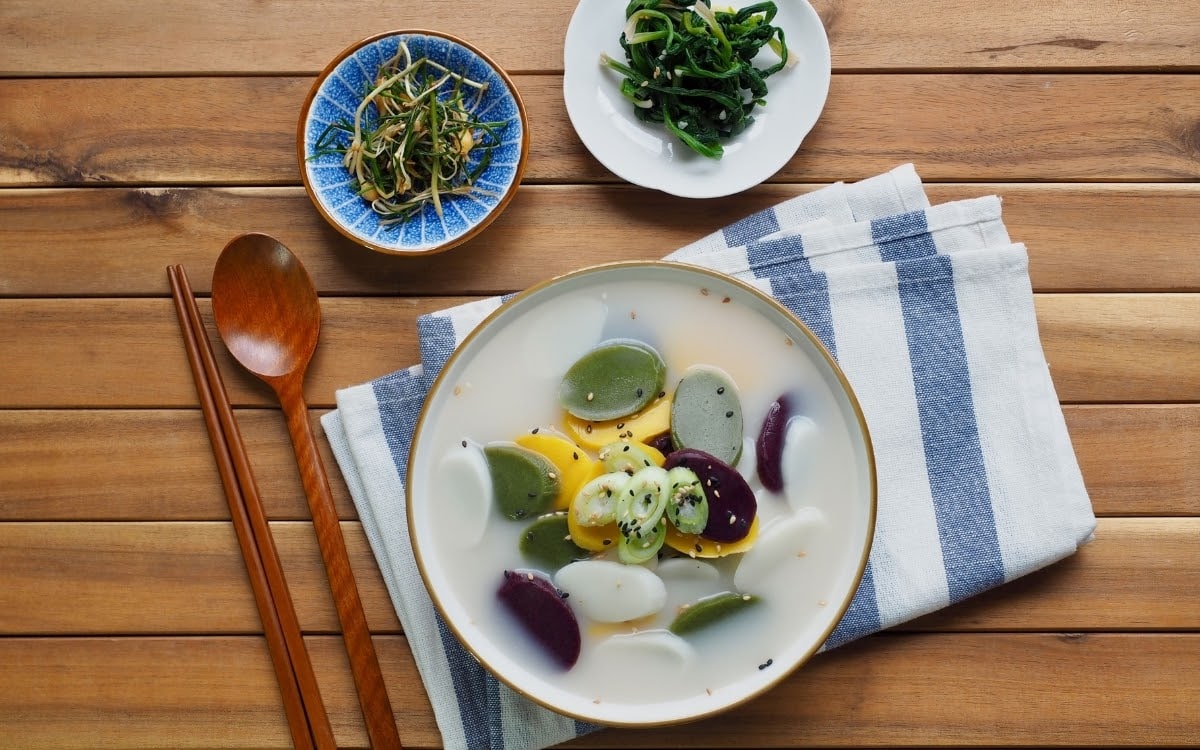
647 154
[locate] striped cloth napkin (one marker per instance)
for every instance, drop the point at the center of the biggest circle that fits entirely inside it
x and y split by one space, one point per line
929 312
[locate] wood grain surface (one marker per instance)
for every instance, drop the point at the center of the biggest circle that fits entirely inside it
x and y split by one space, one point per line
135 135
241 130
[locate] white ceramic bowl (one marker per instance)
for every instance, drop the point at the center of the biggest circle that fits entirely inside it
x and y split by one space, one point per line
645 153
503 379
336 94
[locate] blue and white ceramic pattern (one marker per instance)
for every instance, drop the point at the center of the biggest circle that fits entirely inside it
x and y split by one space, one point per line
338 92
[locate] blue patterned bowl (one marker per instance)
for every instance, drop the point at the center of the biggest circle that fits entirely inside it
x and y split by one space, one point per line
336 94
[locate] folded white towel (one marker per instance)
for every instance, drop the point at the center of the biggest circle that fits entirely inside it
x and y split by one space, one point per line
930 314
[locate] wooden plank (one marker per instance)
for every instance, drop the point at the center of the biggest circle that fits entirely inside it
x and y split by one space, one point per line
1136 461
1096 237
138 341
914 690
1136 575
278 36
1026 33
1099 237
1101 348
49 461
159 578
1088 340
1134 457
146 693
1005 127
273 37
154 578
958 690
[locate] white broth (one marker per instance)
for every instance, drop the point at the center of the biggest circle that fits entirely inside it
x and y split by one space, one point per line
504 382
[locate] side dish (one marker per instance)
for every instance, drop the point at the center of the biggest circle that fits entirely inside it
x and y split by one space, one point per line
692 67
415 138
586 497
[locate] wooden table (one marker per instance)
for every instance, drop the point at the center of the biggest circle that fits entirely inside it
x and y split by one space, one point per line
134 135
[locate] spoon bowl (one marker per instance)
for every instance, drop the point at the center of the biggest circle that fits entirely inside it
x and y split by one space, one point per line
267 310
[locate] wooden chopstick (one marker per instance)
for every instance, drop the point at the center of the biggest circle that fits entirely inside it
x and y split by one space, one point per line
308 721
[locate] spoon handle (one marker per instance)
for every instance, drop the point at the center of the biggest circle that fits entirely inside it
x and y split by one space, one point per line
364 664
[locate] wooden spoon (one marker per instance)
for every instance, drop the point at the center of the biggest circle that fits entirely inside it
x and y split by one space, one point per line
269 316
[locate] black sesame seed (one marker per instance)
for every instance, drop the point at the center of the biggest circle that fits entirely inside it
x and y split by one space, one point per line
588 429
766 664
607 542
728 414
720 390
640 393
564 594
699 548
626 448
620 425
661 394
533 494
574 455
464 443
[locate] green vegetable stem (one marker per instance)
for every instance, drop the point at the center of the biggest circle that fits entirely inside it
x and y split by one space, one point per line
691 68
415 137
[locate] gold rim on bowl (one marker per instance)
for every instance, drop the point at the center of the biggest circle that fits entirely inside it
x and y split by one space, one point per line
829 361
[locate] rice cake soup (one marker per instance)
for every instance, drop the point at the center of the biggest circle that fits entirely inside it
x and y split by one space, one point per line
668 628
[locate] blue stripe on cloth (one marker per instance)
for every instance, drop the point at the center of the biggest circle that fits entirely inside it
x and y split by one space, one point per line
751 228
807 296
399 396
953 453
495 713
585 727
862 617
778 257
438 338
473 691
436 334
903 236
